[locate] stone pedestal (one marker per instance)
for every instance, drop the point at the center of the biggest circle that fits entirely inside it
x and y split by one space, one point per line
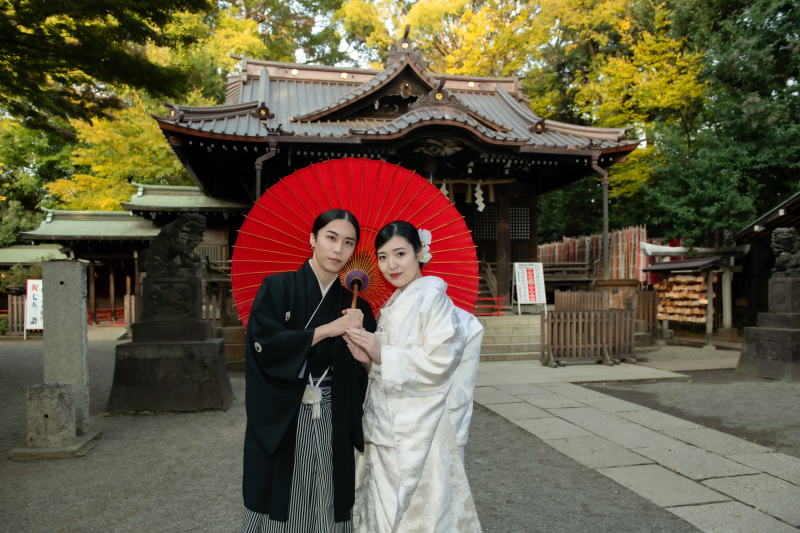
173 364
159 377
51 415
772 350
65 343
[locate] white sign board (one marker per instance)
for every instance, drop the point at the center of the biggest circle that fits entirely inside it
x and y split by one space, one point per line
529 278
33 305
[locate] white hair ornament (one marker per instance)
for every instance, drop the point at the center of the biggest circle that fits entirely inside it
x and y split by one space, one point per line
425 239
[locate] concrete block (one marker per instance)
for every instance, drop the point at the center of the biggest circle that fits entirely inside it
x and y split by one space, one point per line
776 464
693 462
51 415
642 340
596 452
632 436
549 401
715 441
490 395
552 428
656 420
518 411
771 495
730 517
65 345
728 332
613 405
576 392
661 486
522 388
640 326
587 417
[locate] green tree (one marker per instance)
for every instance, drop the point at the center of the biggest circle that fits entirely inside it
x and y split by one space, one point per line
58 57
14 218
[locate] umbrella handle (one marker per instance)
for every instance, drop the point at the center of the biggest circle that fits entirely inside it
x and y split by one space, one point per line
355 294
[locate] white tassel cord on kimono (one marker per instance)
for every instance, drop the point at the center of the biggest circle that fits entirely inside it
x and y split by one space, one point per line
411 476
313 395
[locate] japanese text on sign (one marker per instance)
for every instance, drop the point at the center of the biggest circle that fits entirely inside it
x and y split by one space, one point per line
530 283
33 305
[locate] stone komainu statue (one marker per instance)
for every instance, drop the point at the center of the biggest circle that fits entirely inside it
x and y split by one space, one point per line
786 245
177 239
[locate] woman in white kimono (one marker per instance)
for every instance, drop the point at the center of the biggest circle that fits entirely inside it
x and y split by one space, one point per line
423 363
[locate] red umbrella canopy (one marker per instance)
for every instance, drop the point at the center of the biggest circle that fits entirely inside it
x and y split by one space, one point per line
275 234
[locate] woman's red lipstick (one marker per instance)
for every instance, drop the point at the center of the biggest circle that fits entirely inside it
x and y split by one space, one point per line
395 276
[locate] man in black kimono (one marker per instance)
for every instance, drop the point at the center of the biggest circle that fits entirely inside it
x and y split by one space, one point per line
294 331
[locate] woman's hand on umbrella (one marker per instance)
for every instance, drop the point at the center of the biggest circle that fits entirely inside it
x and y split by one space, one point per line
366 341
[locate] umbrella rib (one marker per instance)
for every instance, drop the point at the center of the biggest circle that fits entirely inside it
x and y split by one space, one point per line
298 198
451 274
243 288
268 211
312 194
436 215
377 179
451 236
397 197
321 186
456 249
414 198
391 181
421 208
462 301
259 272
333 176
276 229
447 224
442 262
476 291
349 185
269 251
273 240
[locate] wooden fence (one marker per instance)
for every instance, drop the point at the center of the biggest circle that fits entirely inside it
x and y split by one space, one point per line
605 336
581 301
648 309
16 314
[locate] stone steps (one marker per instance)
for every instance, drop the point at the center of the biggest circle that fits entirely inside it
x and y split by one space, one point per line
510 338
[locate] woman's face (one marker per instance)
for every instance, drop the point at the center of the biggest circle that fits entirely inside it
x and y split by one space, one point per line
398 262
333 245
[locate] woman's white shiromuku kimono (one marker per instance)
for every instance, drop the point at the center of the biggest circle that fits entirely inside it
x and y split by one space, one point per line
411 477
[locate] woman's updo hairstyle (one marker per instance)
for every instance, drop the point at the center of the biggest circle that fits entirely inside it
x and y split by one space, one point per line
399 228
326 217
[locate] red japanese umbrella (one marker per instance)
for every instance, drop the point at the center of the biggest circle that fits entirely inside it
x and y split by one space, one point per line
275 234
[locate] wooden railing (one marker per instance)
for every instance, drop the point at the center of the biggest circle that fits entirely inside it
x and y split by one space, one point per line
605 336
648 309
488 275
16 314
581 301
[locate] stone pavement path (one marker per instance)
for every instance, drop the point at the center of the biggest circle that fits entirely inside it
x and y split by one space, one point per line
717 482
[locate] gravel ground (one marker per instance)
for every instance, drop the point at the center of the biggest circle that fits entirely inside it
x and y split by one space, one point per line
183 472
759 410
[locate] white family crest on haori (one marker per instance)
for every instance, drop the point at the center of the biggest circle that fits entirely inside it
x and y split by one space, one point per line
425 239
411 474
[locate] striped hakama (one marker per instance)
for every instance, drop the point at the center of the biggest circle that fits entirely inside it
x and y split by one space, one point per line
311 500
